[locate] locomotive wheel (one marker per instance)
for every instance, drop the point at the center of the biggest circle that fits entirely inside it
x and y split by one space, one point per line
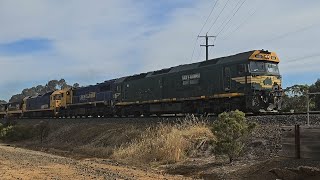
136 114
146 114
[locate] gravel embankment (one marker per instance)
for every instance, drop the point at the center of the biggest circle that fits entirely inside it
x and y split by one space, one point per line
286 120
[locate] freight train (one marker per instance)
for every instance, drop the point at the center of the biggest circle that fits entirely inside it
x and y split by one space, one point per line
248 81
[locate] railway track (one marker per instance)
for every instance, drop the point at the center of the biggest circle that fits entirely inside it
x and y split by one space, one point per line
174 116
177 115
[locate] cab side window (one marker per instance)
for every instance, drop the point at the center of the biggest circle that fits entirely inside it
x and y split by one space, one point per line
241 69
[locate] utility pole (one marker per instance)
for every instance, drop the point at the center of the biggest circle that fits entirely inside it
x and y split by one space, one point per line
207 44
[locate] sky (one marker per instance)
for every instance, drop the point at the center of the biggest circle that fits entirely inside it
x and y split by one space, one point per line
92 41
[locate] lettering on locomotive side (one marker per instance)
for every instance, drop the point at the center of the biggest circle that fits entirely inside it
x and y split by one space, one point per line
88 96
116 95
190 79
44 106
191 76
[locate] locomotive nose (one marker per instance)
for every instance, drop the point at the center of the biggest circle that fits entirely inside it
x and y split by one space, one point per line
276 94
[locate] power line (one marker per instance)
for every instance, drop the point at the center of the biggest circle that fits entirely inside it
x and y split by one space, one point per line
303 57
211 49
194 47
218 16
246 19
200 52
289 33
232 16
231 12
223 25
284 35
208 17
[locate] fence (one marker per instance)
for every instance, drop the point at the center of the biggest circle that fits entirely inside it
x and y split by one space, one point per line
301 142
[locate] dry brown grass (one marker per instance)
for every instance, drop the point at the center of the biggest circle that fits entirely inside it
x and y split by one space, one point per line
167 143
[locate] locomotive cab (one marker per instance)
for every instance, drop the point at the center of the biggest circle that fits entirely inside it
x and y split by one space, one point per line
60 99
264 81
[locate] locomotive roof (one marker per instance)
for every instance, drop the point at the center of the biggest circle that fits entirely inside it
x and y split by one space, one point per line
40 95
240 57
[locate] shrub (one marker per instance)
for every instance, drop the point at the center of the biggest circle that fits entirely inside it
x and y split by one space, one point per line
4 130
41 130
231 129
16 133
166 143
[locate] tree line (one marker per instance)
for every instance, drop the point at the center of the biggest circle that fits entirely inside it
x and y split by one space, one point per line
52 85
295 97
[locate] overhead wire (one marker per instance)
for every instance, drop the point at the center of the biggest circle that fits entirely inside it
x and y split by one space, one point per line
243 22
218 16
215 20
231 17
200 52
231 12
194 47
211 47
300 58
225 23
284 35
208 17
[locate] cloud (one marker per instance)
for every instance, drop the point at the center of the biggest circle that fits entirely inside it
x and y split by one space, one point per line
89 42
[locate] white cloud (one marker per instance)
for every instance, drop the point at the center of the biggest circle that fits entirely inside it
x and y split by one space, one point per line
97 40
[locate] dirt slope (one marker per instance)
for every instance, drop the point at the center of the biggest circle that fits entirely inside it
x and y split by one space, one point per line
17 163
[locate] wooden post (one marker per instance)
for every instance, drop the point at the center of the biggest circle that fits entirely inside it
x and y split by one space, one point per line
297 140
308 110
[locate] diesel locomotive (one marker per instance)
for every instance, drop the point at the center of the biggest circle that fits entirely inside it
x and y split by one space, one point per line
248 81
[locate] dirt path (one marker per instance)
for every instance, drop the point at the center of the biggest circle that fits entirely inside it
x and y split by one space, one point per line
17 163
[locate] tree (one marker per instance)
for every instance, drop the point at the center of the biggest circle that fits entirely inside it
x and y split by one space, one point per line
316 88
295 98
231 130
52 85
3 102
76 85
63 85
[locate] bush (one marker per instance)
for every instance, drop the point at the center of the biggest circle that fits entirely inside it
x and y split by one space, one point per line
22 132
4 130
41 130
231 130
166 143
16 133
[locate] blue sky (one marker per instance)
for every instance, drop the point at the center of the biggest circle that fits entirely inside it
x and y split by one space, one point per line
25 46
89 42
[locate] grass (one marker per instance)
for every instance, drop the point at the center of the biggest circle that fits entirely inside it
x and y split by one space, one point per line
167 143
128 141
